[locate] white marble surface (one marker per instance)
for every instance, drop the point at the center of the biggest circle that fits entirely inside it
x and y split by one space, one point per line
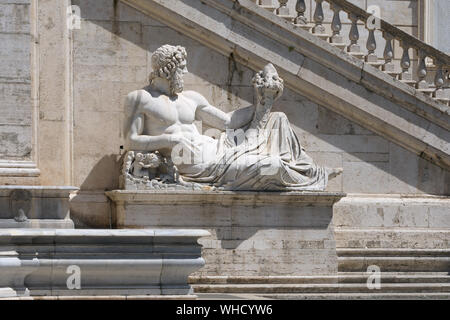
110 262
256 150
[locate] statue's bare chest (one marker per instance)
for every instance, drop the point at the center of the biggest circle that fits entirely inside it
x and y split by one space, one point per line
171 111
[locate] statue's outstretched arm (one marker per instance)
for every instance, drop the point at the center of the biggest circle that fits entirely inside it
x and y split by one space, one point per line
218 119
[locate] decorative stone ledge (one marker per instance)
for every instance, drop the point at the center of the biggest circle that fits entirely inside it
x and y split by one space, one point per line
18 169
111 262
225 198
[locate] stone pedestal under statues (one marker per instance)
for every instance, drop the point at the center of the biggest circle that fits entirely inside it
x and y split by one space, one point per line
252 233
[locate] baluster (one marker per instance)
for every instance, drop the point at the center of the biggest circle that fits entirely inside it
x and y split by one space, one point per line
422 71
439 82
353 35
318 29
336 26
388 54
371 45
300 7
283 10
405 63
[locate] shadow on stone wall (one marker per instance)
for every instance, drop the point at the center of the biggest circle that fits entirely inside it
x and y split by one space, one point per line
111 58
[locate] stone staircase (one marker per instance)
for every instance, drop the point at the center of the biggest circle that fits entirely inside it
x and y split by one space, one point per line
345 285
404 101
432 66
404 274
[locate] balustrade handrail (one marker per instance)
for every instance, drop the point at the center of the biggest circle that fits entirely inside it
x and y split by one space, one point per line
410 40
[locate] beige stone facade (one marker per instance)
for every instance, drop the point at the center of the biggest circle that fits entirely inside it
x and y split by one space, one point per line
62 117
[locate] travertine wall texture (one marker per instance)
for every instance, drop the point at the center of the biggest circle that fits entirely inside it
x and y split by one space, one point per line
85 76
111 57
15 80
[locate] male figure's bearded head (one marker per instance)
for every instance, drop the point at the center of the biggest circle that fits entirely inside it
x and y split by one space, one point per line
169 62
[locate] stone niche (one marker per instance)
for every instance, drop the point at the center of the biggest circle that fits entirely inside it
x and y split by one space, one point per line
252 233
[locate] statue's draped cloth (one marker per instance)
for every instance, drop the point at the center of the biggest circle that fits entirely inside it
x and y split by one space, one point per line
269 158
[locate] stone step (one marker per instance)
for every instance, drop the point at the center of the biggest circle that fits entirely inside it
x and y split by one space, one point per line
306 27
323 36
407 264
359 55
395 252
357 296
338 45
444 101
322 288
348 277
286 17
269 8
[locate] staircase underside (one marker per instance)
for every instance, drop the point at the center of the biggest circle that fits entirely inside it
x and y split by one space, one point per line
313 68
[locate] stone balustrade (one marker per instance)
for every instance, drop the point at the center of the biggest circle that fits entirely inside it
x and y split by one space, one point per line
427 69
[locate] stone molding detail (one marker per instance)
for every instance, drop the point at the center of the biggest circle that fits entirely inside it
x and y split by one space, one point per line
111 262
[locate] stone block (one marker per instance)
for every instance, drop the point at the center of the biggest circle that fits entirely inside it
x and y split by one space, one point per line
16 142
354 173
15 17
16 51
147 269
251 233
35 207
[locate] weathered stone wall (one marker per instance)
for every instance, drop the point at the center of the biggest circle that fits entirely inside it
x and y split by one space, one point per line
111 57
15 80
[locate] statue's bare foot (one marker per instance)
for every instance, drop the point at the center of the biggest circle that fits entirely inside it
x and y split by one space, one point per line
334 172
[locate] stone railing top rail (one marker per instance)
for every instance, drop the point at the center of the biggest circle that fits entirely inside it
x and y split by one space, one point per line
348 7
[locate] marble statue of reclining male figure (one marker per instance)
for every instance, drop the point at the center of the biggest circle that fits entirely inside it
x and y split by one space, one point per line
257 149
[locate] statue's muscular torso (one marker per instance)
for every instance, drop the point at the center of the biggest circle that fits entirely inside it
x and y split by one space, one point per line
164 115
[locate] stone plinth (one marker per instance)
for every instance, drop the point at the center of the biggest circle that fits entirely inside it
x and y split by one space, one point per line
252 233
110 262
42 207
